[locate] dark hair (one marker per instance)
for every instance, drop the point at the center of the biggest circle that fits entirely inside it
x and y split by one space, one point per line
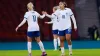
55 7
64 3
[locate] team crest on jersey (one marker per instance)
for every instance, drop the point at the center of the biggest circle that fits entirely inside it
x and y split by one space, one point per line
66 13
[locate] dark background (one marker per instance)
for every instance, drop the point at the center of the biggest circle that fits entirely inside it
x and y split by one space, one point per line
12 12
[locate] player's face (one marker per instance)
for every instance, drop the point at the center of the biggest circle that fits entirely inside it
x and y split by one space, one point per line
61 5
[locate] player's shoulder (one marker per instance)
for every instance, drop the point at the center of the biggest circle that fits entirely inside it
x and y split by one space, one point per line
57 11
35 12
30 12
67 9
54 14
26 13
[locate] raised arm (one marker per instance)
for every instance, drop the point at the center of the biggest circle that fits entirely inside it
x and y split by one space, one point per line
42 16
48 15
53 16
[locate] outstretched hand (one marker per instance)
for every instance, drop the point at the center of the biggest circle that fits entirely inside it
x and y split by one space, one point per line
48 23
44 12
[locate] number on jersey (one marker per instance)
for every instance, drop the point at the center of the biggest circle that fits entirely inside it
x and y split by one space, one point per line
63 16
34 18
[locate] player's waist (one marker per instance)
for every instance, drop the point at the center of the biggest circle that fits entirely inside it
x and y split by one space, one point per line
55 23
33 26
64 22
32 30
64 26
32 23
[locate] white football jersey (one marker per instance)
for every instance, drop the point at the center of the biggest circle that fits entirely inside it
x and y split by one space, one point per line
32 19
55 22
64 18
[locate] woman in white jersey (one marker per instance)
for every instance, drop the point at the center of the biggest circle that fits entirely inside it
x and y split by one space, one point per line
65 29
54 20
33 28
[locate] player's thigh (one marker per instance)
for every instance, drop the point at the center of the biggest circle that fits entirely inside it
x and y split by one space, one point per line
37 36
62 38
68 34
55 36
29 39
55 33
29 36
37 39
62 35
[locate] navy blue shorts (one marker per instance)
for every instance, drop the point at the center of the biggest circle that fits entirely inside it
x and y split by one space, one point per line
55 32
64 32
33 34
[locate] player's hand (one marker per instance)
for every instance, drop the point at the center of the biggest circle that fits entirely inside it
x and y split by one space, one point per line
46 12
75 29
47 23
16 28
43 12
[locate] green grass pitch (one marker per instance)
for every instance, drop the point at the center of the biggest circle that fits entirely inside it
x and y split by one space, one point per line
76 52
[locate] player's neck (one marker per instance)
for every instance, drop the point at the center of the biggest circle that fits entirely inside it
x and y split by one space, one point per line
62 8
30 10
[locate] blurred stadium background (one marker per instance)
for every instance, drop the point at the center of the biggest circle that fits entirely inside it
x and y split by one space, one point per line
87 13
